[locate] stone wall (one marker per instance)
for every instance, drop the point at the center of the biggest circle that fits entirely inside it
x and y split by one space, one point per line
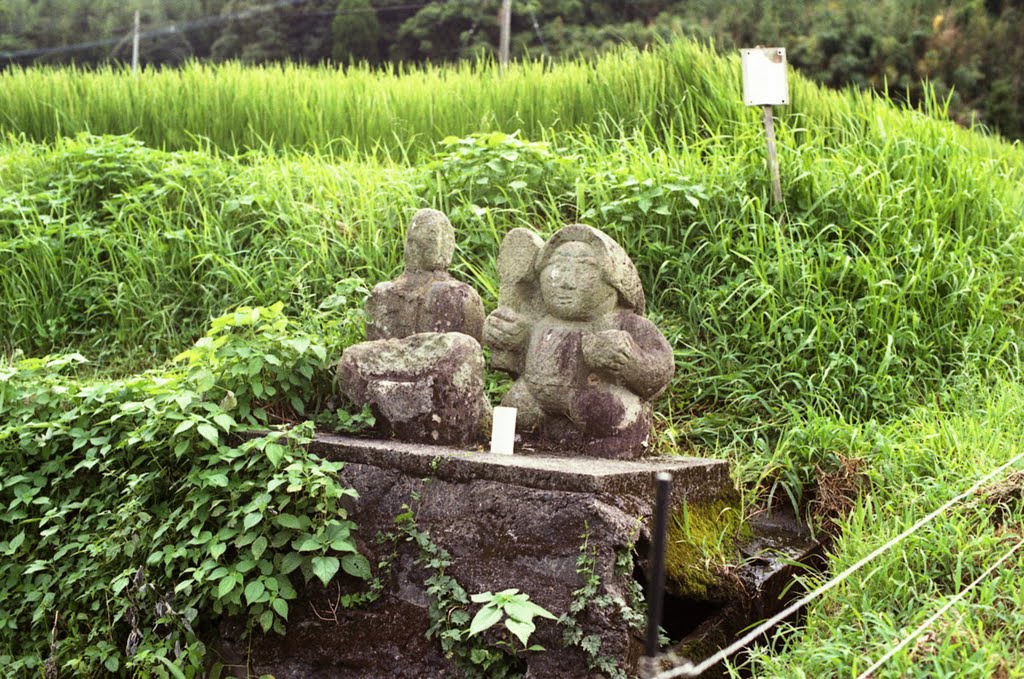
506 522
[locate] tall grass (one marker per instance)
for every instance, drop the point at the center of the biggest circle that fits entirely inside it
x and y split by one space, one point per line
830 334
913 465
400 109
126 252
895 263
678 90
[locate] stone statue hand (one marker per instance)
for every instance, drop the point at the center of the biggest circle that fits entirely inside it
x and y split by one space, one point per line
610 350
505 330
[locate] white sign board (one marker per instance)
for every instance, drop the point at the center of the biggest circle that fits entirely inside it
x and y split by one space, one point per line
764 76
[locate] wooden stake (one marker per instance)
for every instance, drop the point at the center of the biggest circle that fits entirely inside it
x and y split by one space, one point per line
773 156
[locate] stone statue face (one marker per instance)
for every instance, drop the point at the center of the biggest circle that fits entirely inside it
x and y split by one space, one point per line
429 242
573 285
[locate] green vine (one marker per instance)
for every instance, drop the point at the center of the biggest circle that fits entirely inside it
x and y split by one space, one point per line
632 612
451 623
130 511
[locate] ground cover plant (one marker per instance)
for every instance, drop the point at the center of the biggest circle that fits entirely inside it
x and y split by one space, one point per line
839 337
133 514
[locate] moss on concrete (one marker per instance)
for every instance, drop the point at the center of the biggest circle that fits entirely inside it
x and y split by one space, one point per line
701 542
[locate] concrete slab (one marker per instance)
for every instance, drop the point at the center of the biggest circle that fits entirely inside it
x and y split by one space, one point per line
694 479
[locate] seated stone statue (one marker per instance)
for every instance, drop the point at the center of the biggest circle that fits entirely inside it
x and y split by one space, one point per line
425 298
570 327
422 369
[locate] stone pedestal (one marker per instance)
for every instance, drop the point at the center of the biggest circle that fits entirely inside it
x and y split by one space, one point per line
507 522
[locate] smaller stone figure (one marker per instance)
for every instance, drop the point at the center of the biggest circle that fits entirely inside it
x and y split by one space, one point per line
422 369
570 327
425 298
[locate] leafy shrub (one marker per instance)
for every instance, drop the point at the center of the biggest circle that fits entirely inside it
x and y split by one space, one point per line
499 171
132 513
127 252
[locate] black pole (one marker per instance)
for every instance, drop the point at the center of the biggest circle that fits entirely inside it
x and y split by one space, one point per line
656 562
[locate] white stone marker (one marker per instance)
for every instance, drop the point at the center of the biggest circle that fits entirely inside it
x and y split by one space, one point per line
503 431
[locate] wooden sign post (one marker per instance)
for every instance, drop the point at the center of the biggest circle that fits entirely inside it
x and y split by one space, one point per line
765 85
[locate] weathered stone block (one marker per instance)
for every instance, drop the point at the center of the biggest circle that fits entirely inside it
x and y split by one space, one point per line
507 522
427 387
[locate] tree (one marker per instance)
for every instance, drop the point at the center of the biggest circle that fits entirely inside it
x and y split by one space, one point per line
254 34
355 32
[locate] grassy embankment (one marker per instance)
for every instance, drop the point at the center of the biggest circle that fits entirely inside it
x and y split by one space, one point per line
859 349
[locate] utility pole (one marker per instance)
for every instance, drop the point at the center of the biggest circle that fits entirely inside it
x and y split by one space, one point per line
505 22
135 44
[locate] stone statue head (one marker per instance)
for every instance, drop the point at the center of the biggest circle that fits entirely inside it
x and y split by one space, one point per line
429 242
585 274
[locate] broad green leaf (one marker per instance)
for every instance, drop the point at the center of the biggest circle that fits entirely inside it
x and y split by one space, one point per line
324 567
521 629
275 453
343 545
306 543
227 583
484 619
245 565
356 565
208 432
290 562
183 427
524 610
225 421
259 546
218 480
118 585
171 667
288 521
281 607
254 590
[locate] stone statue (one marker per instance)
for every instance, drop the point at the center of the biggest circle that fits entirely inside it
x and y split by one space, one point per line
422 369
425 298
570 327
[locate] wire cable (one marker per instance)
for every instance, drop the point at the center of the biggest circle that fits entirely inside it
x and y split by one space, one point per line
949 604
202 22
691 670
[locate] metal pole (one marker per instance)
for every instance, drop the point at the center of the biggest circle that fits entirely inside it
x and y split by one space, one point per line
505 22
773 156
656 563
135 44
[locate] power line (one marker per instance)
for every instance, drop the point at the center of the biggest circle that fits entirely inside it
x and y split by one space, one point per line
163 30
202 22
690 670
